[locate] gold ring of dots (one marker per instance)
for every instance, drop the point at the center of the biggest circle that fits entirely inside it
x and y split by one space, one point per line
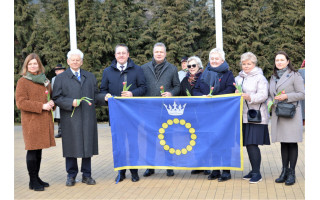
171 150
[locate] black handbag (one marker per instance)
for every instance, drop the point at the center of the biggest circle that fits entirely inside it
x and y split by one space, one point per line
253 115
287 110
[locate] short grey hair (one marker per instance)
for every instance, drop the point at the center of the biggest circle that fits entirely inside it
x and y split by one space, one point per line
218 51
249 56
197 60
121 45
75 52
160 44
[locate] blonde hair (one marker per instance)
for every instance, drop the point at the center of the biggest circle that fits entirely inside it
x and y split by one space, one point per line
248 56
26 62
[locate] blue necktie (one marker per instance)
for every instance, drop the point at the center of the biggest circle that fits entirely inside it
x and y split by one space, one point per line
77 75
122 68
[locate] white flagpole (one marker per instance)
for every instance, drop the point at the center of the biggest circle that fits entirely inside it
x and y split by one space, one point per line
72 25
218 17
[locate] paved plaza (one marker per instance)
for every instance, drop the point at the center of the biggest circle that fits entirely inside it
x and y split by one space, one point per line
181 186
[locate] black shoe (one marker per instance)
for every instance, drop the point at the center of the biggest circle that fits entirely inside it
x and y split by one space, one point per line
214 175
256 178
283 176
224 177
248 176
45 184
291 178
148 172
122 177
88 180
135 178
196 171
206 172
170 172
58 136
71 181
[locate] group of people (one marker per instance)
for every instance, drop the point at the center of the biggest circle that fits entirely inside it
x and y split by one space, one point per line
76 93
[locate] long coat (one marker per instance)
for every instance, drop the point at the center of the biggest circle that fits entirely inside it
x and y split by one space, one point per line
288 130
256 85
37 124
169 79
79 132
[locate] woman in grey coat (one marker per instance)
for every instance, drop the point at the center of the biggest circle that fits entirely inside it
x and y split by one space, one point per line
287 131
255 93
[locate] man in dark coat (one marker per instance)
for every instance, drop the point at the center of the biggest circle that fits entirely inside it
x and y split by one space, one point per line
58 70
123 69
77 118
160 73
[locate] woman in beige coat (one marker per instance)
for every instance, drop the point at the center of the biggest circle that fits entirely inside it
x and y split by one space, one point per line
36 117
287 131
255 93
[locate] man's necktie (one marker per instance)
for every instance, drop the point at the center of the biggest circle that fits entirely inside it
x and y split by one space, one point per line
122 68
77 75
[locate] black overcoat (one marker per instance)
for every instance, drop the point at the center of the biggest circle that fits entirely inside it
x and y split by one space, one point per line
79 132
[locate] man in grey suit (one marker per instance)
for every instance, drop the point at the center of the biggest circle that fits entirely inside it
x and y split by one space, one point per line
160 73
77 118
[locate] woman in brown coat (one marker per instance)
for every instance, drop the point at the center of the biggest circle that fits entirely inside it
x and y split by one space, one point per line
36 118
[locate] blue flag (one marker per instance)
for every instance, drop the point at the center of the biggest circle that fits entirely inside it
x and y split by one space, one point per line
177 133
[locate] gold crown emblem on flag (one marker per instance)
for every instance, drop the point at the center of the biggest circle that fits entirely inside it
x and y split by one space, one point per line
175 110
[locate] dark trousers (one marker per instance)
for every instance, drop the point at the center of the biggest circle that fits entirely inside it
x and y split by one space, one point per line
133 171
72 167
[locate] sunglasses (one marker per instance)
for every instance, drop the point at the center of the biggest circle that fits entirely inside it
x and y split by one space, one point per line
193 66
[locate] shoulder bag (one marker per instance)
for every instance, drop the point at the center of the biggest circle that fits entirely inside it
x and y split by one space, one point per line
253 115
287 110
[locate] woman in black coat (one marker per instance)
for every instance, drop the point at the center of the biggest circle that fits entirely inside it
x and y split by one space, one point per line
191 84
218 75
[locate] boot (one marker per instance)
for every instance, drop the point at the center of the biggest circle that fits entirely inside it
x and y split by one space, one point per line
121 175
291 178
59 131
45 184
34 183
170 172
283 176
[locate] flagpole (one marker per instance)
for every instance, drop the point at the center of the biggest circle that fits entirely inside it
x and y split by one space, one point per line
72 25
218 17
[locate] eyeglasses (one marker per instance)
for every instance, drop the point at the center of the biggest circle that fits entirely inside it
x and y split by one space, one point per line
193 66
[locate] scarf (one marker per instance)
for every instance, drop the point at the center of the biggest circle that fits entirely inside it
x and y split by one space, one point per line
192 78
39 78
158 67
280 72
211 76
